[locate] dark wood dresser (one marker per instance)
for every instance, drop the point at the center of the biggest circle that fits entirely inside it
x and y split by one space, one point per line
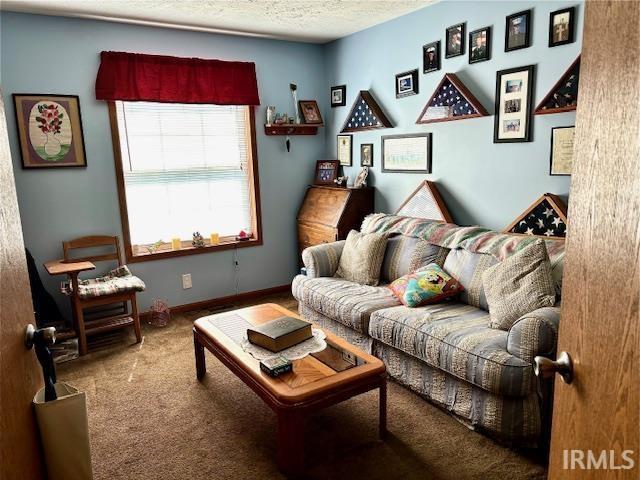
328 214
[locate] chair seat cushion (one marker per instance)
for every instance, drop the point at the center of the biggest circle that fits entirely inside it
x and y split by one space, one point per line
119 280
455 338
346 302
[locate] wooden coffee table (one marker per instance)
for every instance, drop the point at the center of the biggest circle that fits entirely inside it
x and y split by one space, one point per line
319 380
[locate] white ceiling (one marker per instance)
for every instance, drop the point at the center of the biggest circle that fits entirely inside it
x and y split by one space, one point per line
316 21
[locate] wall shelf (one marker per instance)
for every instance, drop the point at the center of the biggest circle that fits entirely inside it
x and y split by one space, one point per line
291 129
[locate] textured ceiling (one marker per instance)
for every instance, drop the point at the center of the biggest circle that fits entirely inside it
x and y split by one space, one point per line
317 21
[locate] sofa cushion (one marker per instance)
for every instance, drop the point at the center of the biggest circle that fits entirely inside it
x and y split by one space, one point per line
518 285
118 280
362 257
346 302
468 267
455 338
405 255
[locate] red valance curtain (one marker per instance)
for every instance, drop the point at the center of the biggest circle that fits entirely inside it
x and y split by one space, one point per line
156 78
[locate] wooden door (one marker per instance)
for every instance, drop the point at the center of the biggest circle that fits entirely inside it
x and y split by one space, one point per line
20 374
599 328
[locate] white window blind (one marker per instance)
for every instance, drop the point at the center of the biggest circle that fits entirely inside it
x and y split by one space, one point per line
185 169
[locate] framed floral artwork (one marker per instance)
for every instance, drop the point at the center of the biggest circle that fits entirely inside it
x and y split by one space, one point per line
50 130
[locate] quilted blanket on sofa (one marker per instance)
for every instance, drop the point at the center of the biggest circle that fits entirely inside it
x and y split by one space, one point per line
474 238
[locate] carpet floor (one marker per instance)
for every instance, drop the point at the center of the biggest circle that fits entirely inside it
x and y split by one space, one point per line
149 418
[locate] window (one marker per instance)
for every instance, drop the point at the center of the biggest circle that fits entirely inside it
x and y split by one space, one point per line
184 168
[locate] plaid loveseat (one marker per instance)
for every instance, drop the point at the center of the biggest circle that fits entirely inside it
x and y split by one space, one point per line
446 352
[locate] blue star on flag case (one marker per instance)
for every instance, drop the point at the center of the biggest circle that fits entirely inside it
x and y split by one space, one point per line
451 100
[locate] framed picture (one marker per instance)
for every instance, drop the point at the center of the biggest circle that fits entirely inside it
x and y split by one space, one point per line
561 26
338 96
50 130
561 158
326 172
407 83
514 94
409 153
366 155
517 31
455 37
431 57
310 112
480 45
345 149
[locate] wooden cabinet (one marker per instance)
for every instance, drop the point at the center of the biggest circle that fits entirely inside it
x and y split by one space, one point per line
328 214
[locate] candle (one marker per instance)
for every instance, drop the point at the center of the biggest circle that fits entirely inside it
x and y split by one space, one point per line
176 243
215 239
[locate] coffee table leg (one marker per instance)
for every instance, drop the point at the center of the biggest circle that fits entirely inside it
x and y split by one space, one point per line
201 367
290 442
383 407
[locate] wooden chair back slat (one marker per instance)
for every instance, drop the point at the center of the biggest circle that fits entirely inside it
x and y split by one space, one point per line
93 241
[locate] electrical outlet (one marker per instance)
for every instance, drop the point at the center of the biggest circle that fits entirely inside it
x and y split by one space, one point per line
186 281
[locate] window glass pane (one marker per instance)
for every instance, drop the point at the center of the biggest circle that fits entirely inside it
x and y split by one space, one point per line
185 169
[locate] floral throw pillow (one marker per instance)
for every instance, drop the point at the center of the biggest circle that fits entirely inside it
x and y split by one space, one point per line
429 285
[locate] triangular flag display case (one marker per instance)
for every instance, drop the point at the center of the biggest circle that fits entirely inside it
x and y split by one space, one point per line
450 101
546 218
563 97
365 114
425 202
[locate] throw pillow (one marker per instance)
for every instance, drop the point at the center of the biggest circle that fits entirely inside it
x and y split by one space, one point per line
430 285
519 284
361 257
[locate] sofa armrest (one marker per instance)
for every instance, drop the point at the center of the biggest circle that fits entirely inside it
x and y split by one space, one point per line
322 260
534 333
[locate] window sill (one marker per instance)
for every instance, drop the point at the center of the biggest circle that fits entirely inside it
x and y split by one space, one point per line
189 250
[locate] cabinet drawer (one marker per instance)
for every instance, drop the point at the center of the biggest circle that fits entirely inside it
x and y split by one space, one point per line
309 235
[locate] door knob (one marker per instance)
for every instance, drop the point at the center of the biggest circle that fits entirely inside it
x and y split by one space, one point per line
545 367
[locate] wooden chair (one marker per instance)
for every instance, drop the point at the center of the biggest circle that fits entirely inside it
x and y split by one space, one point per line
98 320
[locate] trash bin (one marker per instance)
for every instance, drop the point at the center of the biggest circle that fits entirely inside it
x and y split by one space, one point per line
64 432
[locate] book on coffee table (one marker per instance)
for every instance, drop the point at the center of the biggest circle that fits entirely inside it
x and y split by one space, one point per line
280 333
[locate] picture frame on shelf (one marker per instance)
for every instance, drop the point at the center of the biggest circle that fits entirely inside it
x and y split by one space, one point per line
345 149
561 27
407 83
366 155
50 130
480 45
454 40
513 109
310 112
431 57
517 33
338 95
326 172
561 155
407 153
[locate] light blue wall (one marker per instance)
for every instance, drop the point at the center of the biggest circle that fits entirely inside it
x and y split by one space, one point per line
43 54
481 182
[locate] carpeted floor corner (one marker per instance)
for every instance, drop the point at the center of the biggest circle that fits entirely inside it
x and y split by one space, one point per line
149 418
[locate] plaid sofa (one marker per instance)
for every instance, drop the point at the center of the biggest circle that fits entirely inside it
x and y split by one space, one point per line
446 352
